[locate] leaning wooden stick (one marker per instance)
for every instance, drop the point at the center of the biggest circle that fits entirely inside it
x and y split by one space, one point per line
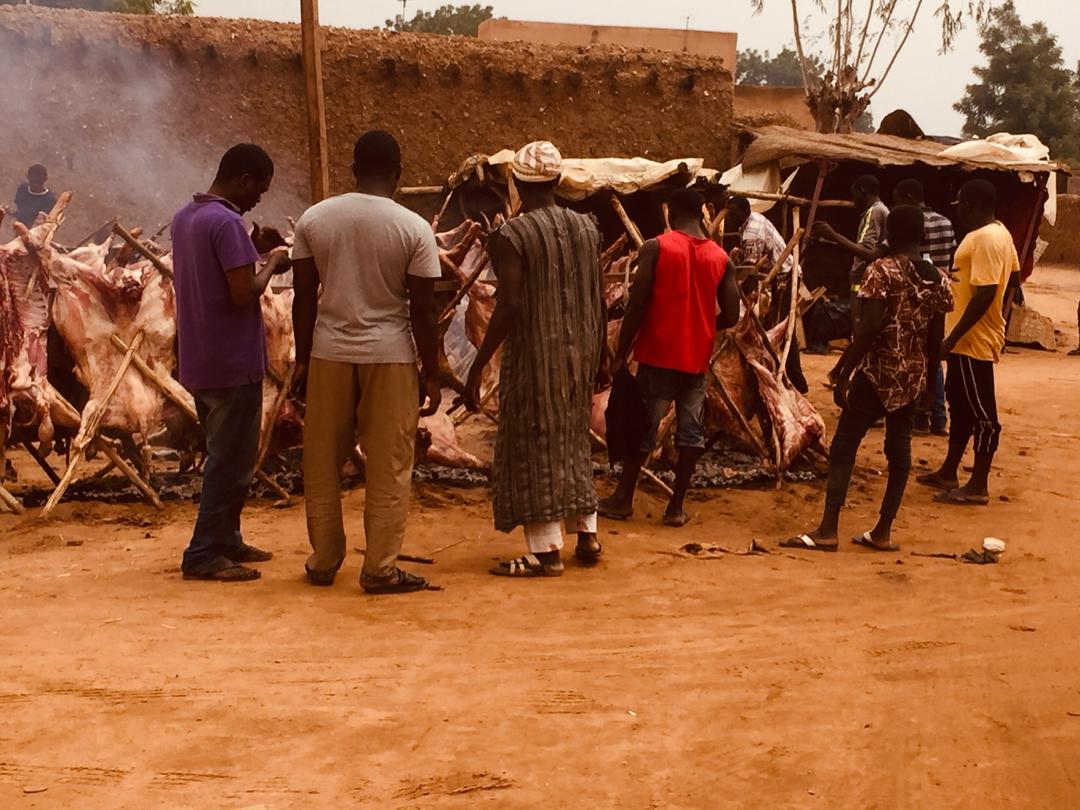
89 429
10 502
628 223
448 313
144 251
741 419
121 464
783 257
644 470
179 395
41 461
279 403
793 309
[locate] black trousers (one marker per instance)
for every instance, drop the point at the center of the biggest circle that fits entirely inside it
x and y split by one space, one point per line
863 409
969 389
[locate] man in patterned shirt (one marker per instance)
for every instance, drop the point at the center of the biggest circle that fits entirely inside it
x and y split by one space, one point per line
758 238
897 339
939 245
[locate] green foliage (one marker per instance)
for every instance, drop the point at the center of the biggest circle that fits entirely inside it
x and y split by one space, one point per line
184 7
1024 86
782 70
448 19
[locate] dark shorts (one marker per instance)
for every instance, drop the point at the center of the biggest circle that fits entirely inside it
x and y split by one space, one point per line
659 388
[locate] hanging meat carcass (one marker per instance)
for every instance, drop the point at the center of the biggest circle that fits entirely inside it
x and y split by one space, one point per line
93 302
29 405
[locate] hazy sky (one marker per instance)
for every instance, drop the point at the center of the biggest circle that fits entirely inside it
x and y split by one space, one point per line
923 82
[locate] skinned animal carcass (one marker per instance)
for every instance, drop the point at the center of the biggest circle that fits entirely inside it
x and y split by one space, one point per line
29 404
93 301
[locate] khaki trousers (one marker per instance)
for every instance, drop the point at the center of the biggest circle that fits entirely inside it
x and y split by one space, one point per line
378 404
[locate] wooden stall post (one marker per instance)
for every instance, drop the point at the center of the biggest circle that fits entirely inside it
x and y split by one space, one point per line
316 103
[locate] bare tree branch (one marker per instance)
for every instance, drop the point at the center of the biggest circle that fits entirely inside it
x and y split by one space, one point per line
899 47
887 20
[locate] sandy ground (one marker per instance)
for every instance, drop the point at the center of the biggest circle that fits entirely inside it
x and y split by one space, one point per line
654 681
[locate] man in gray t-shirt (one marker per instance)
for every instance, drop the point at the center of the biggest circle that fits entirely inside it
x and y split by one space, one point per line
376 262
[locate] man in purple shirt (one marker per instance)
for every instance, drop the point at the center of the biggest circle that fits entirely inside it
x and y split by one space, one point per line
222 352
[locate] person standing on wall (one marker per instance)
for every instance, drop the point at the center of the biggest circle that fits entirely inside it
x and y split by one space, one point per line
377 263
222 353
671 321
549 318
939 245
985 262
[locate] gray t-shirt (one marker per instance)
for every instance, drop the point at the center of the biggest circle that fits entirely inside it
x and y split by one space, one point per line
364 247
871 234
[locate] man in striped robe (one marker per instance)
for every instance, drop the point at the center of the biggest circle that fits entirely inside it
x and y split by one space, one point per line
549 319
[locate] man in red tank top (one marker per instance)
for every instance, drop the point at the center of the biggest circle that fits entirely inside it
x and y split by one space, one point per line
671 322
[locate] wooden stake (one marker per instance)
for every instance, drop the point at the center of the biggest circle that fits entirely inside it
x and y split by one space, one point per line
40 459
318 156
781 371
628 223
448 313
279 402
795 239
10 502
142 250
180 396
729 402
89 429
791 198
421 191
121 464
644 470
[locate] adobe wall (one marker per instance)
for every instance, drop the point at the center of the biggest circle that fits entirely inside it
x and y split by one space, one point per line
132 113
753 101
700 43
1064 237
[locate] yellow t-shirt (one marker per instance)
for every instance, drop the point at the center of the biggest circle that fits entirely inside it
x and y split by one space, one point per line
986 258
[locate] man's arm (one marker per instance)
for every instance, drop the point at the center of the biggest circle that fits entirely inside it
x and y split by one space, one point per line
305 309
246 284
638 305
870 324
981 300
423 313
506 263
727 296
822 230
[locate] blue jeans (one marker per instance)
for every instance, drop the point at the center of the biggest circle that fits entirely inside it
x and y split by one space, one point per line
230 417
662 386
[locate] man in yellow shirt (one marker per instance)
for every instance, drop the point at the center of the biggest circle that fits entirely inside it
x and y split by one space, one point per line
975 338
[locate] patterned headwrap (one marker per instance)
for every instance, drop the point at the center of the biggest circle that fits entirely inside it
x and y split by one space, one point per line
539 162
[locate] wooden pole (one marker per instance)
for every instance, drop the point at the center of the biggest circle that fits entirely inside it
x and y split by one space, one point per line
628 223
790 198
121 464
41 461
316 103
448 313
10 502
644 470
142 250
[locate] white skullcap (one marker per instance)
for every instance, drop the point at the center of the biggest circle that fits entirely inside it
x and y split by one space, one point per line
539 162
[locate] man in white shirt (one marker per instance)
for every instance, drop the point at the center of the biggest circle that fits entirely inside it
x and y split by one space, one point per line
377 263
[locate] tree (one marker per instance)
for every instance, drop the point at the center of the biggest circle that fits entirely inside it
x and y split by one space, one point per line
448 19
785 70
858 32
184 7
1024 85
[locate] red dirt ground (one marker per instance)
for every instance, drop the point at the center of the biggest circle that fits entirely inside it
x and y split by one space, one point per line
801 681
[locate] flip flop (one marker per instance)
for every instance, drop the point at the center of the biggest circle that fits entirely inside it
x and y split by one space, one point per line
954 497
526 566
611 514
931 480
867 541
806 542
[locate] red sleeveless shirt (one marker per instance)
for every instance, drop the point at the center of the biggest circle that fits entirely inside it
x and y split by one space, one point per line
680 324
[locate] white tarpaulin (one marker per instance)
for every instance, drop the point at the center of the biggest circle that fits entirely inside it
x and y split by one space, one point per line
583 177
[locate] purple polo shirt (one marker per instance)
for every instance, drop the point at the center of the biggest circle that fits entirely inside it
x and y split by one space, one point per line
220 344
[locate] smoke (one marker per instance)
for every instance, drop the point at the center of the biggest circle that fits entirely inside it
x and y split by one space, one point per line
133 131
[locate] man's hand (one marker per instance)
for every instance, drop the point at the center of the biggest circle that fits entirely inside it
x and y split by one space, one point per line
299 380
840 390
618 364
280 262
823 231
431 393
471 398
